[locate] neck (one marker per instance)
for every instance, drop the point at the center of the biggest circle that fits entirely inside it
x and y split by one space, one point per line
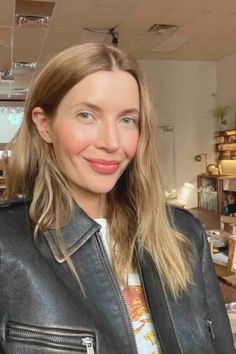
93 204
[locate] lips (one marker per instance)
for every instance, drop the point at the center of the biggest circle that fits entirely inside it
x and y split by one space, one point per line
103 166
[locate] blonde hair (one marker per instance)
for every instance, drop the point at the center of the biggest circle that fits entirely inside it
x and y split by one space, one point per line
137 211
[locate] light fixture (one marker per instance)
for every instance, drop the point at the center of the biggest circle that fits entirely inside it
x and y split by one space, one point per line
21 67
114 34
114 37
32 21
19 91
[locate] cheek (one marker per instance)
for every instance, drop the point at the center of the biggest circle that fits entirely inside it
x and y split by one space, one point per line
132 145
69 139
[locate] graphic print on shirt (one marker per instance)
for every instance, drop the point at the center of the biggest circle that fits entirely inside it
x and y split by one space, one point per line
144 332
142 324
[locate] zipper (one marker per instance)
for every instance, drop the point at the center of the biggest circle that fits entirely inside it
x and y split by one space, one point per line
51 337
210 327
116 282
128 317
145 295
88 343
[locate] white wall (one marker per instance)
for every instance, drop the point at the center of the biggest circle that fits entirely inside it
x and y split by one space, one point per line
226 86
182 93
226 79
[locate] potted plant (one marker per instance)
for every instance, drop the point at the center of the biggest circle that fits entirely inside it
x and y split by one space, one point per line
220 112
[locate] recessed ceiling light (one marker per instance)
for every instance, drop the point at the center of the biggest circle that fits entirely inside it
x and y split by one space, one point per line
21 67
19 91
32 21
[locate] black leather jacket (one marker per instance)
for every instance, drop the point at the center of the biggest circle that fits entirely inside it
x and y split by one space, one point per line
43 310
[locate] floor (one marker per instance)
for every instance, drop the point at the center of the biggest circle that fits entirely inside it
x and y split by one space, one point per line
228 292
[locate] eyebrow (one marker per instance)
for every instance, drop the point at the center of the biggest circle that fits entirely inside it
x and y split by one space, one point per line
99 109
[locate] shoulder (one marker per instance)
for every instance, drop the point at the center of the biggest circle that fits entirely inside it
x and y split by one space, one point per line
182 217
186 223
13 216
13 206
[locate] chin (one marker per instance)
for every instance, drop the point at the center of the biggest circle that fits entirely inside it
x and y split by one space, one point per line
102 189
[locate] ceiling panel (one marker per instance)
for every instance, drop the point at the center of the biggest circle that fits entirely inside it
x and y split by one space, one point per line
5 58
27 43
34 8
209 27
188 51
67 21
109 14
150 12
6 12
5 36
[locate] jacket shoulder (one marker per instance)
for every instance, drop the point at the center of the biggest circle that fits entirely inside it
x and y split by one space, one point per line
186 223
179 215
13 207
12 203
13 216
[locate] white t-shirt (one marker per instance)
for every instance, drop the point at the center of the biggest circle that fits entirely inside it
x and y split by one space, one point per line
144 332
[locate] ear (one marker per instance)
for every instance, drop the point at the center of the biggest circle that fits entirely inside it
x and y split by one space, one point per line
42 124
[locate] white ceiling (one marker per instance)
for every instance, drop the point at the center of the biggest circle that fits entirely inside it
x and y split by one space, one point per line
206 31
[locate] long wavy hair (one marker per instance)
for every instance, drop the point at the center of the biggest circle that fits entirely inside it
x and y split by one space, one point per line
137 211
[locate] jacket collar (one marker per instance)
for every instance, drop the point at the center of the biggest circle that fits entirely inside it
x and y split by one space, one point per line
74 235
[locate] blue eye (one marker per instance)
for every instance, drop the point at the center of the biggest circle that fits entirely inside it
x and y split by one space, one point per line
129 121
84 115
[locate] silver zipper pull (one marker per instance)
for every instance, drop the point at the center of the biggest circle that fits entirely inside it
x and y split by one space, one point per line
210 327
88 343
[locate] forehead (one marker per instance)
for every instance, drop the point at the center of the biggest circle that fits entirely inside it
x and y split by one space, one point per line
105 87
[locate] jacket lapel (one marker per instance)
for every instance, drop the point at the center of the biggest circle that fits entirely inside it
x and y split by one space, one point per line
158 304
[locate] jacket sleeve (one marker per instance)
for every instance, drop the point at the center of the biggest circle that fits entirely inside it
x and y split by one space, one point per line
223 341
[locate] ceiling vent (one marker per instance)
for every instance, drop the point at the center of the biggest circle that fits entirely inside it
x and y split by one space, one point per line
162 29
32 21
7 76
22 67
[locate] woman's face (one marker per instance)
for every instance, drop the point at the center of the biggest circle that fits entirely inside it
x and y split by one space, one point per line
95 131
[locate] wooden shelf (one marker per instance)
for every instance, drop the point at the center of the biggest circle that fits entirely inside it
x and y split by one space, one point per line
214 198
2 185
226 145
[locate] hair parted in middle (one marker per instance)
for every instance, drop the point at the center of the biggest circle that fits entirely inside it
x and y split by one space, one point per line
137 211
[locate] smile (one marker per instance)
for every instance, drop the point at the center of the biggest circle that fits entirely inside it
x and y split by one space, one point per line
103 166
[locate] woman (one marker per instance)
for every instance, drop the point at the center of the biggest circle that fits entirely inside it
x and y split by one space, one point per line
91 260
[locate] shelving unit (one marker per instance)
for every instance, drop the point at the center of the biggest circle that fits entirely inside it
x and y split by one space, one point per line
226 144
212 191
2 185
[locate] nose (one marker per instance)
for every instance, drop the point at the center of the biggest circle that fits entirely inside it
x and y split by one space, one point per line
108 136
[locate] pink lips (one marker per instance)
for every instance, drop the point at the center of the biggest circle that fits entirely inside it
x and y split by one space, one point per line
103 166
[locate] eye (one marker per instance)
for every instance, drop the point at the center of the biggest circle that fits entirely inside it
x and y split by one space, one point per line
85 115
130 121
